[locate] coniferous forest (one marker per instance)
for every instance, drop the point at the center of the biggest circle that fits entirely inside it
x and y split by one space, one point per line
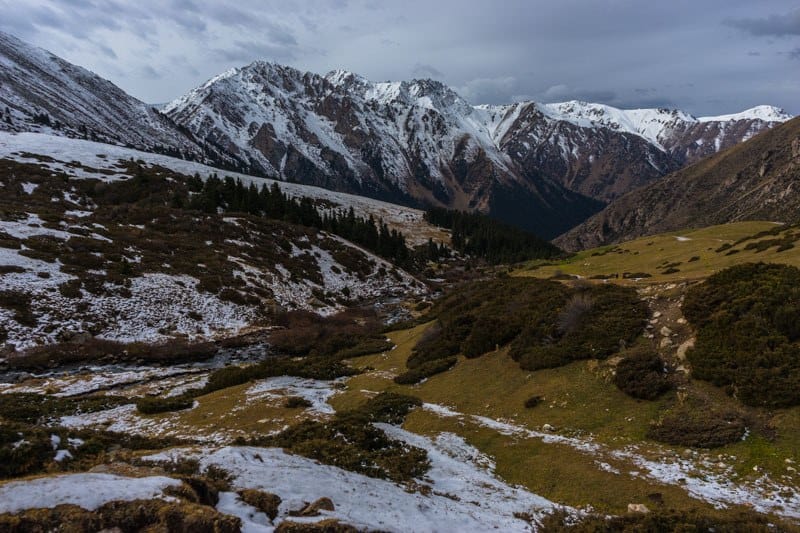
478 235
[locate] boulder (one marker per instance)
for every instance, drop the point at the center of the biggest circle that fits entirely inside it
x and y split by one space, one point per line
637 508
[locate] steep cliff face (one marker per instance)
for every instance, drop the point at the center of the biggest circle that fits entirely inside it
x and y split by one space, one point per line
754 180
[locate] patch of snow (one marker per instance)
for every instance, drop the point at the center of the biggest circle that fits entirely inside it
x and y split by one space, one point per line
700 479
485 503
61 455
64 150
315 391
253 521
88 491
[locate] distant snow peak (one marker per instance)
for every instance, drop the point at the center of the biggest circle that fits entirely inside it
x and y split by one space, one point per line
766 113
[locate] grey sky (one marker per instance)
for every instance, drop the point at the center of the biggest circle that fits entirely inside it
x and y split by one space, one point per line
704 56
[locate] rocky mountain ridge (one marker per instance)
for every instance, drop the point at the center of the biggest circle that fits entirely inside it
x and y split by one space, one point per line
754 180
419 141
544 167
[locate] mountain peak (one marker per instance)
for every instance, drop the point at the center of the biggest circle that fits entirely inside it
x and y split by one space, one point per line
767 113
346 78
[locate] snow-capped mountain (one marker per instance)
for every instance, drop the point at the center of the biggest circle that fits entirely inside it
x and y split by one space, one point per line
542 166
41 92
413 142
420 141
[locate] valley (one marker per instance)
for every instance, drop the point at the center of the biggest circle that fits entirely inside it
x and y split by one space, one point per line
294 302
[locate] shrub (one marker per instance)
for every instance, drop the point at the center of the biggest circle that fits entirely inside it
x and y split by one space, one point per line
533 401
576 308
660 520
615 319
352 442
150 405
31 407
425 370
294 402
634 275
312 367
263 501
134 515
545 324
641 374
748 335
20 303
698 426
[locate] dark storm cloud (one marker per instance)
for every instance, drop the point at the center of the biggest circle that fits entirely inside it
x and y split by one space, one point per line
709 57
774 25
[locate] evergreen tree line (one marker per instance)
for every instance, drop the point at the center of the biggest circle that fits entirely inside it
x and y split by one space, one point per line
214 195
480 236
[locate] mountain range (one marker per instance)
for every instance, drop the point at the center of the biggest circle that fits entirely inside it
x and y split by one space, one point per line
544 167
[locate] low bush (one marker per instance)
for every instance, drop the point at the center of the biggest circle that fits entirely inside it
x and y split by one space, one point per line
533 401
31 407
325 368
27 449
642 374
329 525
425 370
352 442
150 405
614 320
263 501
95 349
635 275
546 324
748 334
698 426
127 516
296 402
20 303
660 520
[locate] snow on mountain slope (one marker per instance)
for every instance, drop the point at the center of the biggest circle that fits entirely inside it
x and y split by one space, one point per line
41 92
545 167
420 141
108 162
77 262
766 113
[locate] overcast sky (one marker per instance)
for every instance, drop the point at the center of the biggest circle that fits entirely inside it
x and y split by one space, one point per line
704 56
